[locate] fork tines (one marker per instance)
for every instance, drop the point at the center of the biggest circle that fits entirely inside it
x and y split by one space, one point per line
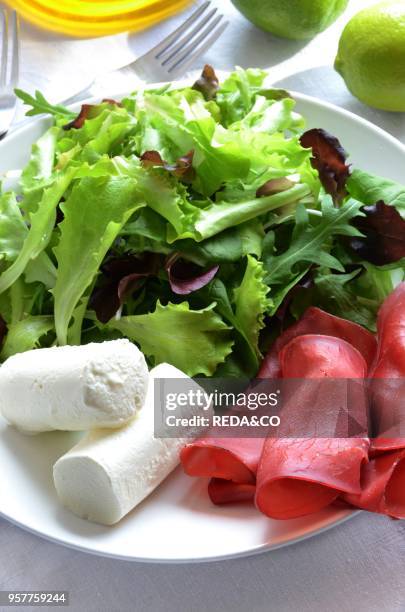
9 59
179 50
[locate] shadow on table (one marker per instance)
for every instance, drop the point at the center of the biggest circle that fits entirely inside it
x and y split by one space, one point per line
246 44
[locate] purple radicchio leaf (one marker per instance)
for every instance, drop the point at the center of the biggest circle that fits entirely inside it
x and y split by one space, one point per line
208 83
384 234
78 122
329 158
3 330
185 276
121 277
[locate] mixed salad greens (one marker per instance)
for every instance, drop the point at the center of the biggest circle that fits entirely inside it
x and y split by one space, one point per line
194 221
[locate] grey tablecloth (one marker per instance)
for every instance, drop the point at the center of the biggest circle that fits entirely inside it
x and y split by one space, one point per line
359 565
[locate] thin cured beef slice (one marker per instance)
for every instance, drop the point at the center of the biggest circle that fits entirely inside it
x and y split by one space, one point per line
383 485
300 476
391 324
388 386
317 321
227 492
234 459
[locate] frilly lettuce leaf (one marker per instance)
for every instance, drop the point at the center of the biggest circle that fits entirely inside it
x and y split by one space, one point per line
251 302
237 94
95 212
42 223
195 341
13 229
215 218
25 335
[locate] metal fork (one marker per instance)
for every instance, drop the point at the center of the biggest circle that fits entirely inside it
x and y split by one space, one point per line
9 68
172 57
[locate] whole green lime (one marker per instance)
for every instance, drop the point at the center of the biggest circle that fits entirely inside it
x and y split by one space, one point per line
296 19
371 56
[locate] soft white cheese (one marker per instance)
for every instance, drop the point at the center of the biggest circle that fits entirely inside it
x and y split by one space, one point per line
73 388
108 473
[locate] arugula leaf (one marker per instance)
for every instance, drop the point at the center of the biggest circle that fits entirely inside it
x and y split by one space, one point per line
308 241
25 335
195 341
218 293
95 212
40 105
251 302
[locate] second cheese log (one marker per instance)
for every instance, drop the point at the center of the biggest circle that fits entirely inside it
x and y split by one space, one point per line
73 388
108 473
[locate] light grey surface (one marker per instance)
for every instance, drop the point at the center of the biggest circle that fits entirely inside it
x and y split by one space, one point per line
359 565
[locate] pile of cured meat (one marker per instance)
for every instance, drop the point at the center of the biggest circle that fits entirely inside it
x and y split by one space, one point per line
293 477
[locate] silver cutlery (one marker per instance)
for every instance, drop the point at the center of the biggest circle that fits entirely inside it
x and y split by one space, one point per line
9 68
172 57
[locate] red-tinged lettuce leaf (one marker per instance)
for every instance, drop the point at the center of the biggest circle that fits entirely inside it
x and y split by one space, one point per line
384 234
111 101
122 276
78 121
3 330
182 169
274 186
185 276
208 83
329 159
86 113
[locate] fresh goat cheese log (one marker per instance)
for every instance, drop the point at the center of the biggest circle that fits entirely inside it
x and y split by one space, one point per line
73 388
108 473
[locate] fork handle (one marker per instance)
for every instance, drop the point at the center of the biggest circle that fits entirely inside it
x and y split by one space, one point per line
108 84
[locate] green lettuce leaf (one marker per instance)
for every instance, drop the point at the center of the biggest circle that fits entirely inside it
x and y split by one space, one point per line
195 341
237 94
217 217
13 229
251 302
25 335
40 166
42 223
370 189
270 116
95 212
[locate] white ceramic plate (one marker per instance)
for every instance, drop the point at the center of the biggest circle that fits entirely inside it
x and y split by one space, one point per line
178 522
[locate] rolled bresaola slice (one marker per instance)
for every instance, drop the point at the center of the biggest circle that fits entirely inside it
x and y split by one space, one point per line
317 321
388 387
232 459
227 492
300 476
236 459
383 485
